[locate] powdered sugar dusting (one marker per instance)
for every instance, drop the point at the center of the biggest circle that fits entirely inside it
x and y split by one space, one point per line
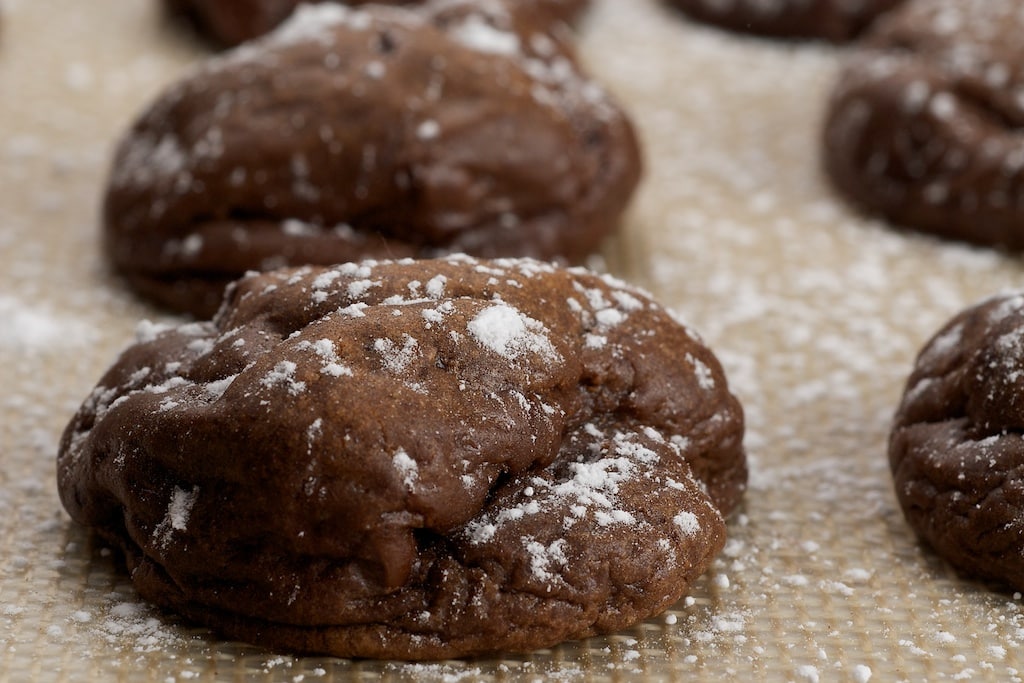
861 673
396 358
705 380
475 33
283 375
590 491
180 507
178 511
407 468
509 333
543 558
148 159
217 388
315 21
331 362
31 327
436 286
687 523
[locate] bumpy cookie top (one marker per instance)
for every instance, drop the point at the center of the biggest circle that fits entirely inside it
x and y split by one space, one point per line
355 426
371 132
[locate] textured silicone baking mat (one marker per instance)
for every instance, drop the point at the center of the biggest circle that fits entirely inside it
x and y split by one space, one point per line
816 313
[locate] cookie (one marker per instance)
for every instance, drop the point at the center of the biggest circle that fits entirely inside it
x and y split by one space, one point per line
230 22
413 459
924 127
957 445
378 132
832 20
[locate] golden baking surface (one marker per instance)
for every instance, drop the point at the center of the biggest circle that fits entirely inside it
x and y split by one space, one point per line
816 313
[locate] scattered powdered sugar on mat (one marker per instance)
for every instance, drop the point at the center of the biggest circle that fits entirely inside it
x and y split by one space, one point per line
31 327
133 626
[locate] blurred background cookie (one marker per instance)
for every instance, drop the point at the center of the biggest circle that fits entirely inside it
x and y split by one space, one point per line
833 20
230 22
374 132
926 125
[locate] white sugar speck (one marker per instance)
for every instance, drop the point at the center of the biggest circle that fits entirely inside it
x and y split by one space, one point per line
407 468
396 358
475 33
808 672
705 379
217 388
997 651
543 557
861 673
609 317
435 286
30 327
314 431
428 130
325 279
181 507
687 523
312 22
192 245
284 374
356 310
509 333
358 288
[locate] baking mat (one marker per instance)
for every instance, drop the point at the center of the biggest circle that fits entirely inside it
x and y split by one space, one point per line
815 312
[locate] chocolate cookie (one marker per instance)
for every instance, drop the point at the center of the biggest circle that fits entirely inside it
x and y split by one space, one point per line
833 20
926 127
230 22
379 132
413 459
957 446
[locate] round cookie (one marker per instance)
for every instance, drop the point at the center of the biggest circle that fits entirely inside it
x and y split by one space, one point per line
413 459
926 126
230 22
833 20
957 448
378 132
